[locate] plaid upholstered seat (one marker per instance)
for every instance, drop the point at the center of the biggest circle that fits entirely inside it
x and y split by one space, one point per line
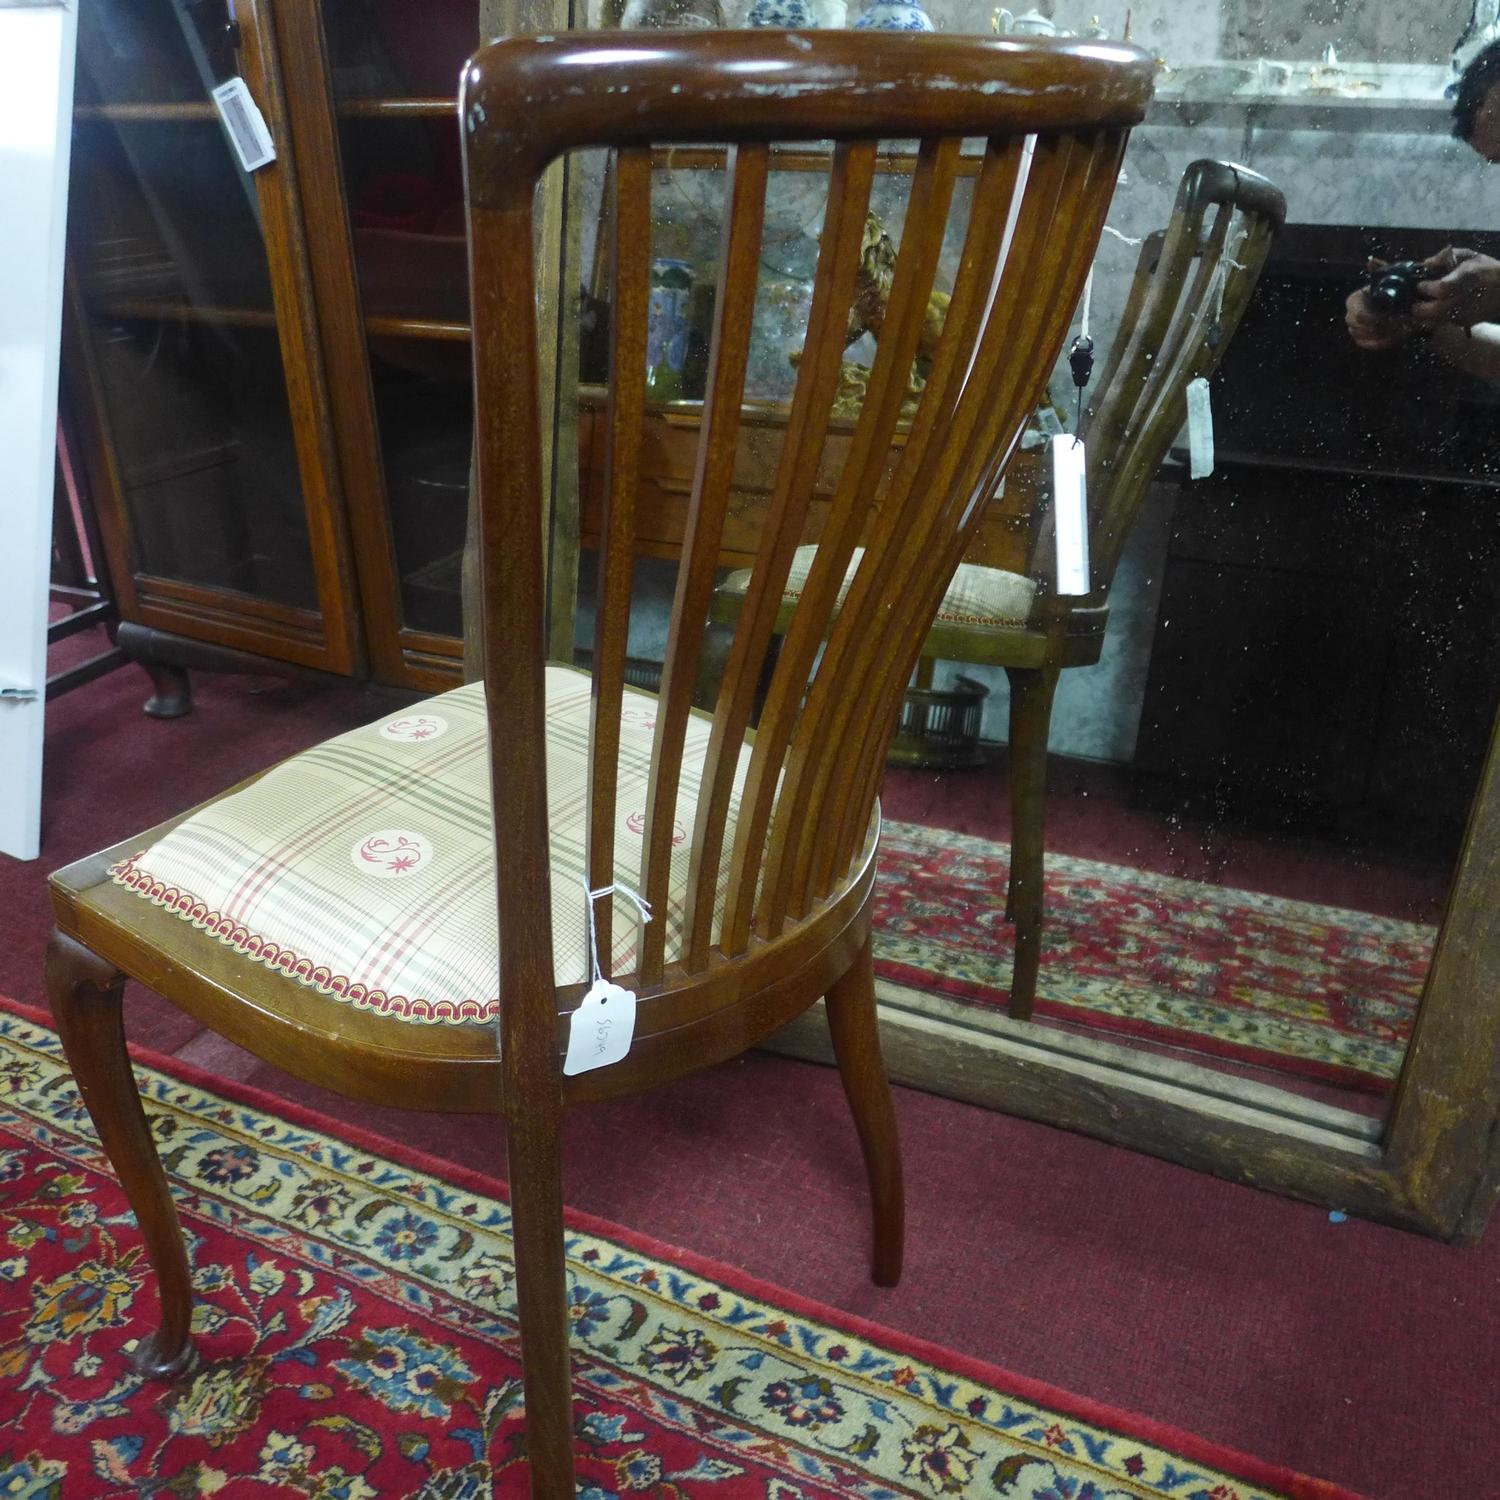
364 867
976 596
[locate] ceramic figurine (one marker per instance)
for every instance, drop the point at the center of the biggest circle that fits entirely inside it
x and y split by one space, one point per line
786 15
894 15
663 15
1033 23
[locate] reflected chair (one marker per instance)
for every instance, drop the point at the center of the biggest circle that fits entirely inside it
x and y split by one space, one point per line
1192 284
400 913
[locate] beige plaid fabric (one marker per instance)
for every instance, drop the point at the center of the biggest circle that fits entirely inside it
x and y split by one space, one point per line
977 596
364 867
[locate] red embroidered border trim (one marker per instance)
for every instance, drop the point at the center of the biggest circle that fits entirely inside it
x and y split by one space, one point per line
316 976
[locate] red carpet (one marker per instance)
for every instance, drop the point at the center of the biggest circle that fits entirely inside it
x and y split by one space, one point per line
1302 989
356 1338
1348 1350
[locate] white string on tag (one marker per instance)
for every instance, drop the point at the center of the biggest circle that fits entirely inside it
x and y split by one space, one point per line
1227 262
601 1029
591 896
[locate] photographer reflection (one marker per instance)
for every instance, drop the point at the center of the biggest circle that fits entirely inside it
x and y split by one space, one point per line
1451 302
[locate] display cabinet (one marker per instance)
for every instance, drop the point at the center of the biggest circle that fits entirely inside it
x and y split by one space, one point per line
191 358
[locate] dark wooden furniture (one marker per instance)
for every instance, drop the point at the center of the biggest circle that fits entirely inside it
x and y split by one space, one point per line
800 863
1353 528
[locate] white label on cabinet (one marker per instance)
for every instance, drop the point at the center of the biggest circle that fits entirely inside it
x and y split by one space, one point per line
1070 511
245 124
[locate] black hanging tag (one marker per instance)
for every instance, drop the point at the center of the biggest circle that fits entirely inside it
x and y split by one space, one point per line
1081 363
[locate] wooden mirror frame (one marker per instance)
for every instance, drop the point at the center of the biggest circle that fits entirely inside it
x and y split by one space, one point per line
1432 1164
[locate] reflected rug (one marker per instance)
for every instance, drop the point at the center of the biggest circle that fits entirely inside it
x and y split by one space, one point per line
1317 991
356 1340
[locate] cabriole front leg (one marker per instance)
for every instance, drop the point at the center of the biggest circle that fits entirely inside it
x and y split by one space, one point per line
86 994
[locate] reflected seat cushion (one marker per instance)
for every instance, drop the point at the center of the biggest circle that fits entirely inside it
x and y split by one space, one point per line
365 867
976 596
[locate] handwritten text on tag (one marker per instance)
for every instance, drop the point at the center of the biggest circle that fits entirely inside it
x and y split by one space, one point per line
601 1028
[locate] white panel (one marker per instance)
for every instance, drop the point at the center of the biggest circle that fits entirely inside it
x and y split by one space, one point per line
36 104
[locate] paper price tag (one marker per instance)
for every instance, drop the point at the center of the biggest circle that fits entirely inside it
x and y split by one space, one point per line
1070 513
1200 429
245 124
601 1029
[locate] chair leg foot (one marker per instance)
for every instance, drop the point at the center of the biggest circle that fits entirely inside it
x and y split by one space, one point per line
542 1296
154 1358
86 995
1031 693
856 1044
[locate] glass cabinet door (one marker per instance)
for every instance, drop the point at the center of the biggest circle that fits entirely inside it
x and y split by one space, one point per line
394 66
190 326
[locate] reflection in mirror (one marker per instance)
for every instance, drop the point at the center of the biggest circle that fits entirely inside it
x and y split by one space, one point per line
1270 711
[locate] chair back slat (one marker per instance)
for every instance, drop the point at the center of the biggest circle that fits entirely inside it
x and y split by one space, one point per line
1192 286
1053 117
849 186
1075 182
864 467
931 493
734 309
628 205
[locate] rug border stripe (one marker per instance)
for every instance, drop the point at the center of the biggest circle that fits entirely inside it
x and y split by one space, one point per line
1231 1461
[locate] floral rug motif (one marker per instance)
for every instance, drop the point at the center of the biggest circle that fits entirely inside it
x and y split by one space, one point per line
356 1339
1317 991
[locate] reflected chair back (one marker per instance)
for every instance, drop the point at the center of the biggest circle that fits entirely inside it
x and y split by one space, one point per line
1192 285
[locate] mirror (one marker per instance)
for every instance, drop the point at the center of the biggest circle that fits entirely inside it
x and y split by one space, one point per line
1257 794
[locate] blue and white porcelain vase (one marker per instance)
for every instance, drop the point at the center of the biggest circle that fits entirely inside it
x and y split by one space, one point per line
894 15
784 15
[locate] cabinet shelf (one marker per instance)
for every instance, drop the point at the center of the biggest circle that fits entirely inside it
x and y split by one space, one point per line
159 311
122 114
398 107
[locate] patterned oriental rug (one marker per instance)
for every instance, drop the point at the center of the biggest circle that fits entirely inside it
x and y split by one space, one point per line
357 1340
1316 991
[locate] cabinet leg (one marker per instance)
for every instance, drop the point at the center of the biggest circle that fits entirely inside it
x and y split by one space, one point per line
172 694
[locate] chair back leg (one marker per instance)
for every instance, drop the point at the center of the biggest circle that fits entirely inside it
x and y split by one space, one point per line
1031 693
856 1045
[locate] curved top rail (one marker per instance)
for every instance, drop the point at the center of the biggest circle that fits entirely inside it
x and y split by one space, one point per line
1207 181
551 94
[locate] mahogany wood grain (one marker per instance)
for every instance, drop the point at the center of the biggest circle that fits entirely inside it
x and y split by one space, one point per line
734 310
630 272
796 476
86 993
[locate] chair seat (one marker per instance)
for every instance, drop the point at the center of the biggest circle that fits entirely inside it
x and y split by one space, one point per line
977 596
365 867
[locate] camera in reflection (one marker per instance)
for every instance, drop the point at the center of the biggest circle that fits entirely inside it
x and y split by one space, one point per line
1394 289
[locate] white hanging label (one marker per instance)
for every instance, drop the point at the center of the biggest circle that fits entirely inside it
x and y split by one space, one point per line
601 1028
1200 429
245 124
1070 512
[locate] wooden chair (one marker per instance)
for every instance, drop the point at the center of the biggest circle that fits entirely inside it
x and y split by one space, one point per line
1193 282
399 844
